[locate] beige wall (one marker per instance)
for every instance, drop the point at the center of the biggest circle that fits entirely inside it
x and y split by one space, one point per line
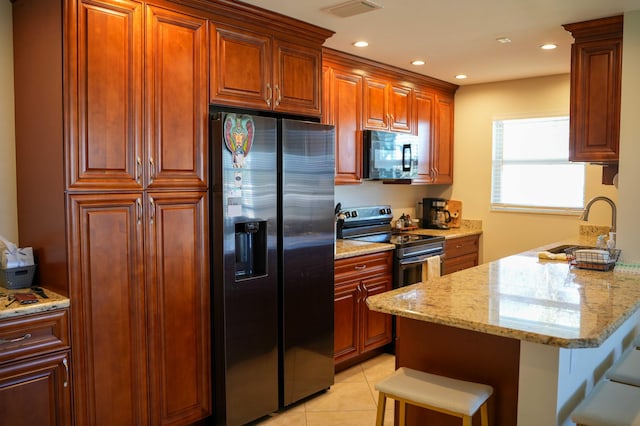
476 107
8 213
629 211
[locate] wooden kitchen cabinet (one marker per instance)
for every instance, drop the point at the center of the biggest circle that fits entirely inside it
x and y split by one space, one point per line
358 330
126 223
434 121
364 94
460 253
254 68
343 109
596 75
387 106
35 382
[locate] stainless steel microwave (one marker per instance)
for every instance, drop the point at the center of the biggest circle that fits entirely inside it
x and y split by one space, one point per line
389 155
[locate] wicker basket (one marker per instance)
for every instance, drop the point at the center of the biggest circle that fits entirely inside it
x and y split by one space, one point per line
595 259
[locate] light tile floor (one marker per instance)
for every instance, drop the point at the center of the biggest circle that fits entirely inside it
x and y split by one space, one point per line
351 401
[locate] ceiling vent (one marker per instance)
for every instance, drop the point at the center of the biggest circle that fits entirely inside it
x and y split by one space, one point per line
353 7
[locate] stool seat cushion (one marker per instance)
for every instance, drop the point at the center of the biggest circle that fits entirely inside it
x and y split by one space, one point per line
458 396
627 369
609 404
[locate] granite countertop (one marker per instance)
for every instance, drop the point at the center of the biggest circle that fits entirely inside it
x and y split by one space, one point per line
55 301
523 297
351 248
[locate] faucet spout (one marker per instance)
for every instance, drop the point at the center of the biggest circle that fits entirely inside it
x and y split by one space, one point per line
587 208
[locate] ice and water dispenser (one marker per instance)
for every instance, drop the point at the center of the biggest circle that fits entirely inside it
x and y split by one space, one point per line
251 249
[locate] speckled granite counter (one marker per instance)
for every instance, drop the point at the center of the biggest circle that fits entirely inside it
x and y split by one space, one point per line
524 298
351 248
55 301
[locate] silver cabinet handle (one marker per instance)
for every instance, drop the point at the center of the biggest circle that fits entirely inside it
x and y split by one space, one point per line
360 267
152 212
139 210
17 339
279 95
152 168
269 95
66 370
138 170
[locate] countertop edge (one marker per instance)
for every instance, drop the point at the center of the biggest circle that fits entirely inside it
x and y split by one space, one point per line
54 302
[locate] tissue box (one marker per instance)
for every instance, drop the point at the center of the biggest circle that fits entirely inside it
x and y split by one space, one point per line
15 278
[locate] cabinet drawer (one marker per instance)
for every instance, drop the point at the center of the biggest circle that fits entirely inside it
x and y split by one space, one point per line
455 247
459 263
363 266
34 334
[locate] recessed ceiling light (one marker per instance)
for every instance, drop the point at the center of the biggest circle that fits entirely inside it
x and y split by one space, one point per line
461 76
360 44
548 46
417 62
503 40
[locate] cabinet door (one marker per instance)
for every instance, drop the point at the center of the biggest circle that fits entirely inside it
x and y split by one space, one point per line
108 308
36 391
376 114
442 151
595 104
297 78
346 321
240 67
424 110
376 326
178 307
344 111
105 127
400 109
176 99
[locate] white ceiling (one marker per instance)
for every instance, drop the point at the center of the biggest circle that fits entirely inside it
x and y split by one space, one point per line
459 36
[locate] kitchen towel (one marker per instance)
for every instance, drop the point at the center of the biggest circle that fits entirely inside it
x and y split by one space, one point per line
14 257
432 269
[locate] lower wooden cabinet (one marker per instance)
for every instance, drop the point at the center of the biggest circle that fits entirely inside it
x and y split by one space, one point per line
359 330
460 253
35 382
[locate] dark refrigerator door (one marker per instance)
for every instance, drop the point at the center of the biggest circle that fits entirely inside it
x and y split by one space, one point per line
245 282
307 258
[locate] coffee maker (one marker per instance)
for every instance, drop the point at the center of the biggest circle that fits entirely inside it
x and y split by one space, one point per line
435 214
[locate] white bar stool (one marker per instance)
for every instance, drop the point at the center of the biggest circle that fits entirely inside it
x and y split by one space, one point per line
609 404
626 369
437 393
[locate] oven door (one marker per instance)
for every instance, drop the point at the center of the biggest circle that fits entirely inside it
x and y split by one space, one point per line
410 270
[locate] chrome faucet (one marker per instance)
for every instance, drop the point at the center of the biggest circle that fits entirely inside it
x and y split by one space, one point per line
585 212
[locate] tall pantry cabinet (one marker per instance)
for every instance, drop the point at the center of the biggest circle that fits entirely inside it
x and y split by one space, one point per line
117 91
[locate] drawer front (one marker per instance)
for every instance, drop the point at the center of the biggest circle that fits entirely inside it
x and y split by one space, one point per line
459 263
363 266
455 247
33 334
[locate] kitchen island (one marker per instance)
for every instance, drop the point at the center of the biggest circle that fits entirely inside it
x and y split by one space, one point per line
540 332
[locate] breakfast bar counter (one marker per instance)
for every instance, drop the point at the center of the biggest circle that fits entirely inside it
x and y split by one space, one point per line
539 331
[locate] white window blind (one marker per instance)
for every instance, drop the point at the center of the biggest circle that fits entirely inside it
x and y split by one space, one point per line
531 168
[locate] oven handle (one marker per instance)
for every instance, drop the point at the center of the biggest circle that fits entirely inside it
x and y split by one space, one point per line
414 261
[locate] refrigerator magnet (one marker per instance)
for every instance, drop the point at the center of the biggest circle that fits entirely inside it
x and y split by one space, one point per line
238 137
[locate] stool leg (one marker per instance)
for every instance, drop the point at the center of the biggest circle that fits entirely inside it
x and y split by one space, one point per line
382 402
401 418
484 416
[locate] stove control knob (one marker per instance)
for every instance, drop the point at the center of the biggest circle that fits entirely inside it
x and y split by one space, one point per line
347 214
388 210
354 213
383 211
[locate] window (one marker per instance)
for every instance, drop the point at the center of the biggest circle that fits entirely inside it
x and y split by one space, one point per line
531 168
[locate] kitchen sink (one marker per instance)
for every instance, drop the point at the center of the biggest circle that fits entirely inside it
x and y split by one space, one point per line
564 247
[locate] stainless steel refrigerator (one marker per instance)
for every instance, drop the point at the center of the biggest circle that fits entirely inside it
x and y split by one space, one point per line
272 270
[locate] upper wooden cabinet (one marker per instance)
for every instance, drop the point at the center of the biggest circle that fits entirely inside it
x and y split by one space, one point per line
343 109
387 106
363 94
256 68
596 74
